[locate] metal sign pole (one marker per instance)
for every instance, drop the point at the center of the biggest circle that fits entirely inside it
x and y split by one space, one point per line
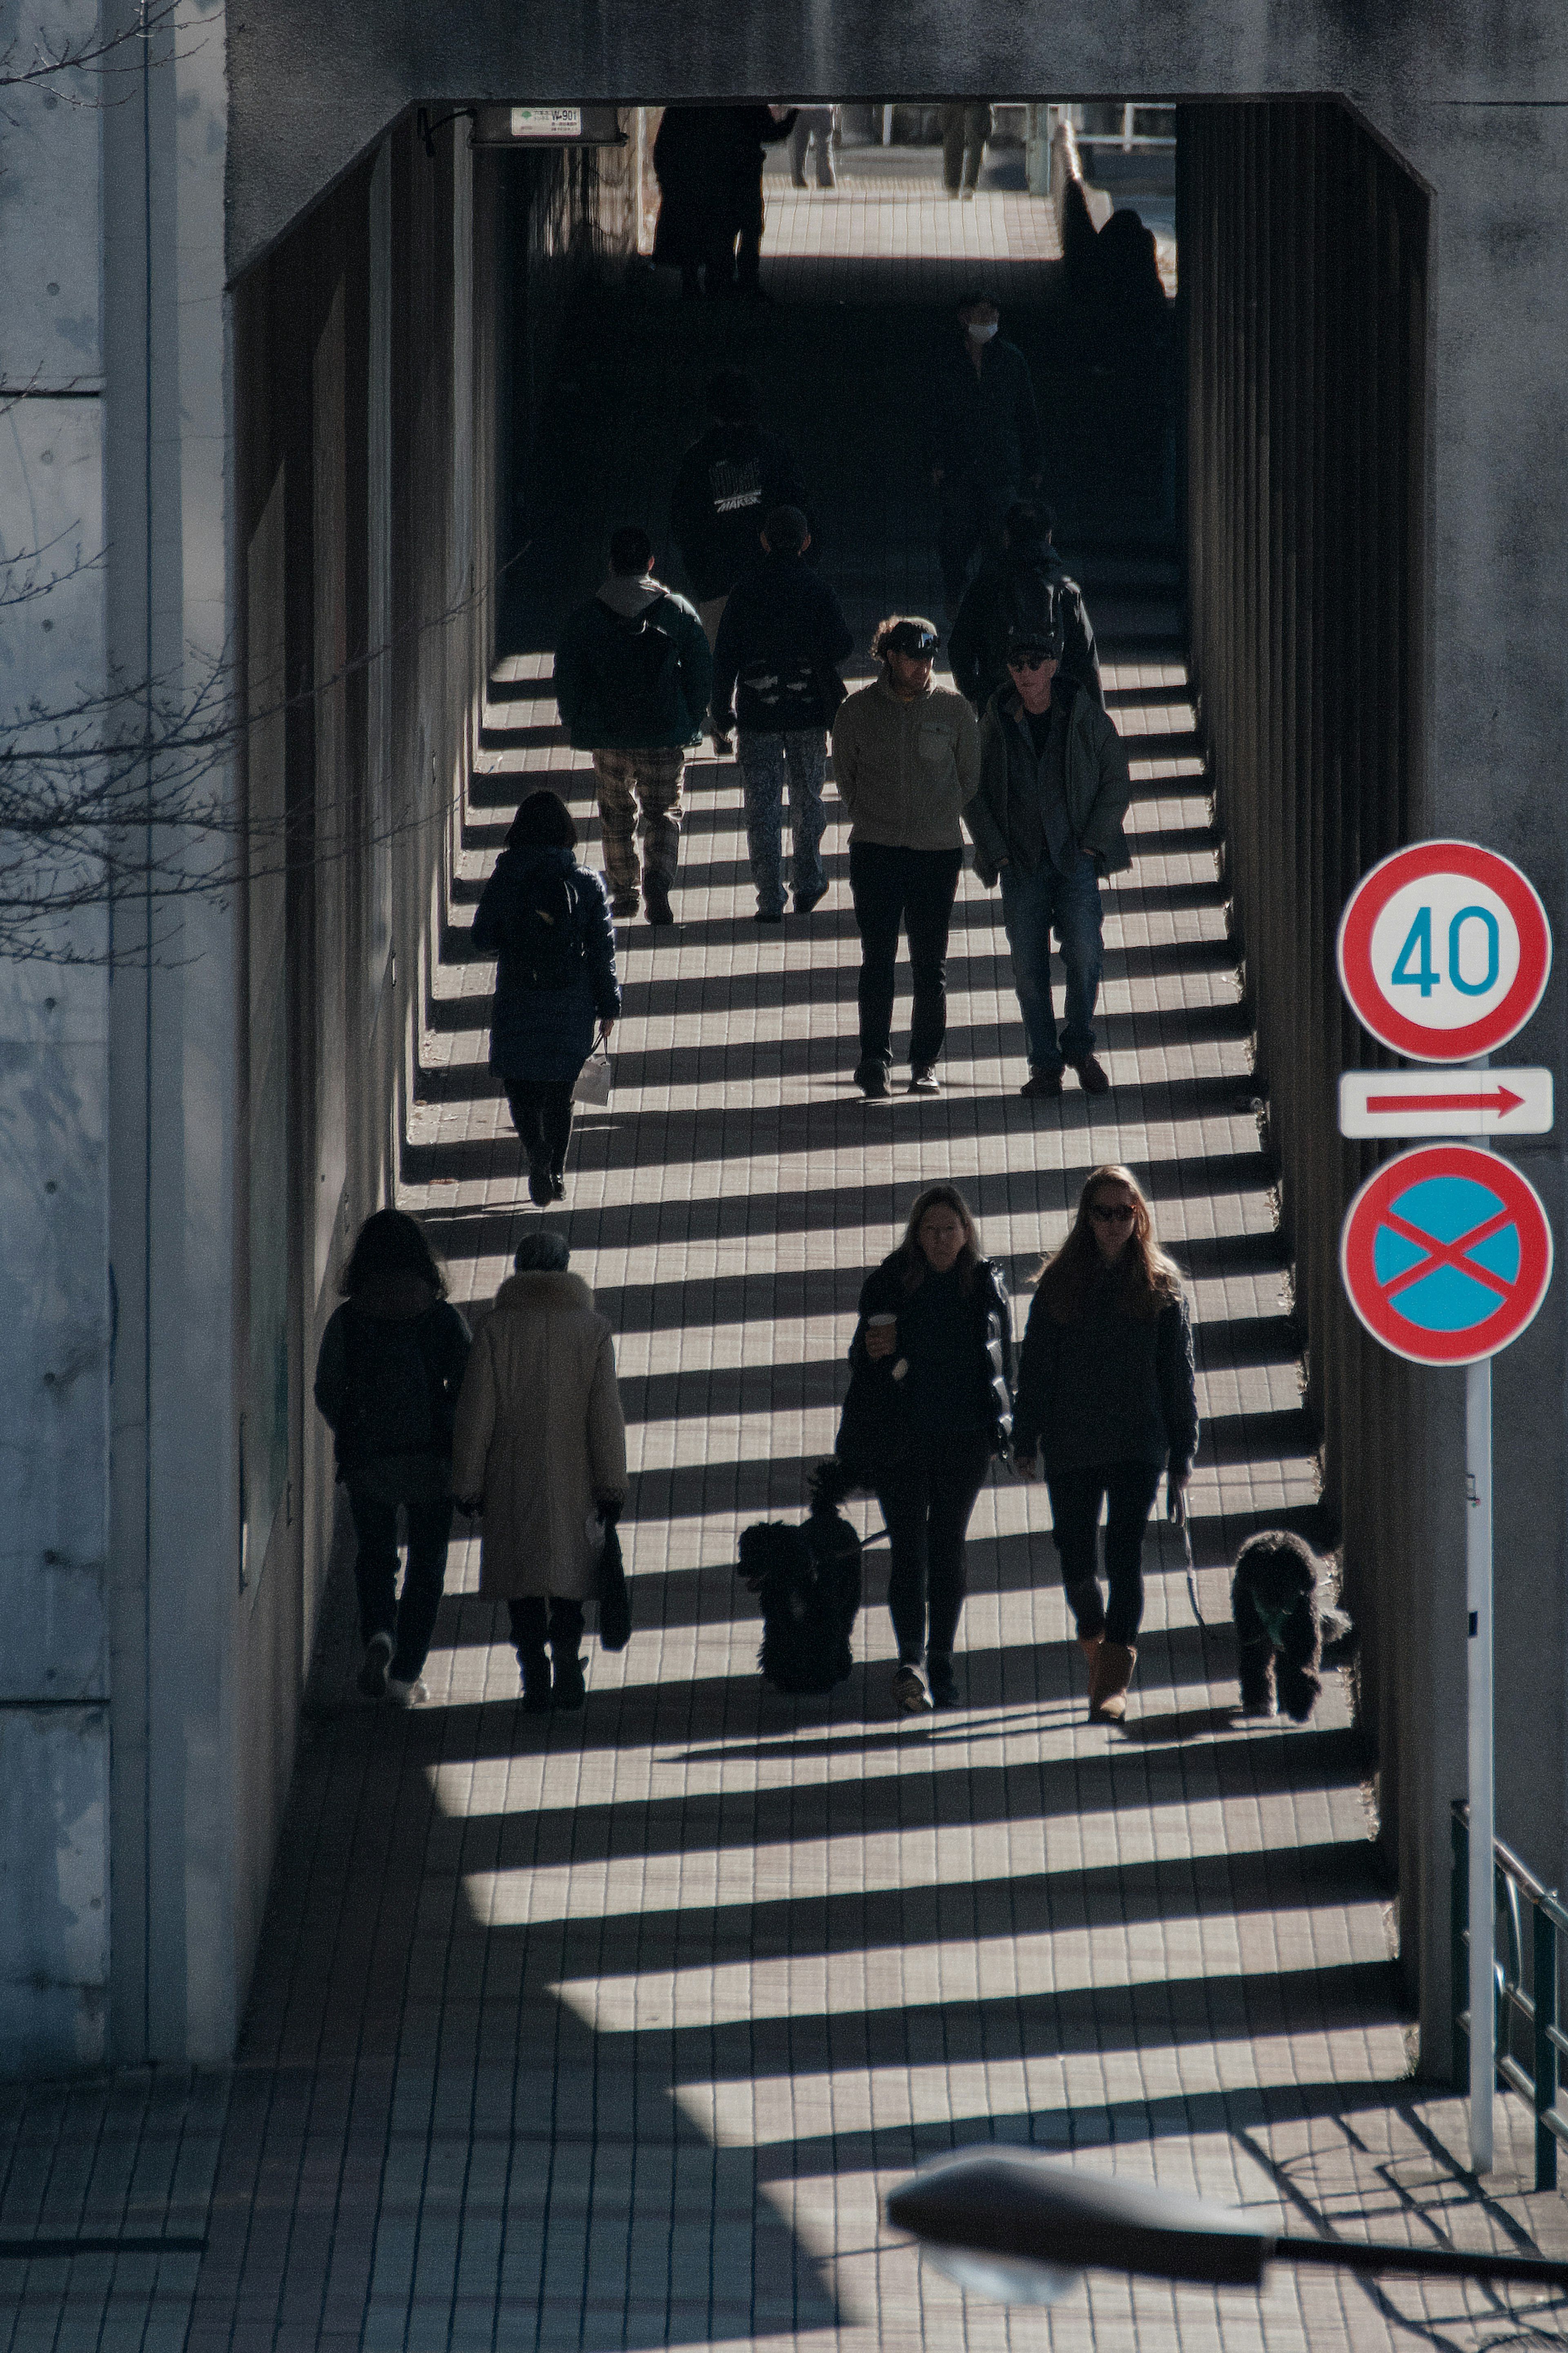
1478 1650
1479 1662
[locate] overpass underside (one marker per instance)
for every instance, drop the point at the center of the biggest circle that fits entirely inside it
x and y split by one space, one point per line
609 2033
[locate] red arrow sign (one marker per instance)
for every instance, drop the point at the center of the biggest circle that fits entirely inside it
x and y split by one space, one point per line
1502 1101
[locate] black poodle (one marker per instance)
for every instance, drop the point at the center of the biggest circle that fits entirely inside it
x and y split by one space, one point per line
1284 1633
808 1580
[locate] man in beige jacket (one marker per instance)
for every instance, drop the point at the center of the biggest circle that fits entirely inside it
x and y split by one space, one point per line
906 760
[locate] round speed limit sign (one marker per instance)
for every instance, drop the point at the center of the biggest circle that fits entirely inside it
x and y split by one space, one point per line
1444 951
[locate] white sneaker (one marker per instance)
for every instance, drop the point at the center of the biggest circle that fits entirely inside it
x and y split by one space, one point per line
404 1694
377 1658
910 1694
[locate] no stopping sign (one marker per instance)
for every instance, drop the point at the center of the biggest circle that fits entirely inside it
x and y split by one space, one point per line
1446 1254
1444 951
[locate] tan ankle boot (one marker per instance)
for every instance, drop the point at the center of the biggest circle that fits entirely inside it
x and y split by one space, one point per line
1108 1682
1090 1645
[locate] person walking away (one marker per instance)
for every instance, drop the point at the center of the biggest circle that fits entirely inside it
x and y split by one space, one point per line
933 1361
818 124
540 1452
780 643
906 759
547 923
1005 589
728 483
966 128
741 134
694 233
983 444
633 676
1107 1390
1048 821
388 1373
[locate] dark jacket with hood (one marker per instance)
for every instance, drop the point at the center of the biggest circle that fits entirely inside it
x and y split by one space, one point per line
1092 775
1108 1386
546 1033
391 1364
986 424
782 627
875 1430
589 668
976 646
728 484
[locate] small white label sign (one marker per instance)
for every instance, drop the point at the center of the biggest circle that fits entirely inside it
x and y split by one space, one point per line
547 123
1445 1103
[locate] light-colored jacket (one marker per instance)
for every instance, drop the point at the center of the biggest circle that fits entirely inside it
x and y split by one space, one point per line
905 770
541 1437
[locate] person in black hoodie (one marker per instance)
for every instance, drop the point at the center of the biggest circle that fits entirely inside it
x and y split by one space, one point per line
387 1375
930 1403
728 483
547 921
1107 1387
1006 585
780 641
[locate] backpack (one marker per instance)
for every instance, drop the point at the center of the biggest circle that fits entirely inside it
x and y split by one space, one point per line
639 674
1029 606
545 936
394 1401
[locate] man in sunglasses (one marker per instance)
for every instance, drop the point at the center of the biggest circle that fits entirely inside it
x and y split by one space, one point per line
1046 821
906 760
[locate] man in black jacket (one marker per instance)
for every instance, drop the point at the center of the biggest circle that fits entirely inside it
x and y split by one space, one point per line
985 442
1047 820
780 641
1005 586
728 483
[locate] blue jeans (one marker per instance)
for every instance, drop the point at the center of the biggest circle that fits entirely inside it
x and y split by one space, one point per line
1031 904
800 755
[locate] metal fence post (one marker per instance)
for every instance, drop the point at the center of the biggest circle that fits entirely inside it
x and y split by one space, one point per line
1545 1990
1459 1970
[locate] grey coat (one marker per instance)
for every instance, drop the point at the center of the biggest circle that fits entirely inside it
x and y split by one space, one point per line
1098 786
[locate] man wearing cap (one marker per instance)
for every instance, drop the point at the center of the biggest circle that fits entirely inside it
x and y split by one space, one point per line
1047 820
906 760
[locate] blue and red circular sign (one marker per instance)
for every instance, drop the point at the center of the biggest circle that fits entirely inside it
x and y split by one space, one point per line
1446 1254
1444 951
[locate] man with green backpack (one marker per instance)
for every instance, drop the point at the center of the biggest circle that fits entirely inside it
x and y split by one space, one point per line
633 675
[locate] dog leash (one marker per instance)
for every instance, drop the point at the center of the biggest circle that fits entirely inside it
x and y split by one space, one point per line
1192 1579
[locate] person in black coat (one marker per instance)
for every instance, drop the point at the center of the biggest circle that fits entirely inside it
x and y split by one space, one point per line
728 483
547 921
388 1372
709 164
780 643
1107 1389
984 441
930 1403
1004 585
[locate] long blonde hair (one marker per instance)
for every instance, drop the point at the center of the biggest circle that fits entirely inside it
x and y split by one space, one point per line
1149 1280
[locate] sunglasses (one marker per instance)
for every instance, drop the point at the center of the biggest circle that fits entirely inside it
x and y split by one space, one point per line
1117 1214
1029 661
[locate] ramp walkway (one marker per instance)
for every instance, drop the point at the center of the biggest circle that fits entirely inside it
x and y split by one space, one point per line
612 2032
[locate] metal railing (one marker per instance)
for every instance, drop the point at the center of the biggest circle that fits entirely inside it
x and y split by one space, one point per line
1535 2006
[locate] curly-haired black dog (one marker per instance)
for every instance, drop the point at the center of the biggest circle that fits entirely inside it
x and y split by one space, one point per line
1284 1633
808 1580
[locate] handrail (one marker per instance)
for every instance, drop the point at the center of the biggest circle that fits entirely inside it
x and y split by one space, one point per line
1538 2006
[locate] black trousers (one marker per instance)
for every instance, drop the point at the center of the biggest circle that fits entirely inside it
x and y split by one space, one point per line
411 1621
912 890
926 1504
534 1619
971 513
1076 1497
542 1114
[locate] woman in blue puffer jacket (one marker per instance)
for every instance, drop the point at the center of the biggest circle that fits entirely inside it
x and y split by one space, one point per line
547 921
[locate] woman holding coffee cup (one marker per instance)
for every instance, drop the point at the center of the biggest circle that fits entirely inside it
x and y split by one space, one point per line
930 1403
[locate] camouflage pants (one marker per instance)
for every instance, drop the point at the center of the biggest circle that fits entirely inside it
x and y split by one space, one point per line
645 785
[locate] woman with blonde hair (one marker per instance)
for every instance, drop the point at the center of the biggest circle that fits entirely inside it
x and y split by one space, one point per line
1106 1386
930 1403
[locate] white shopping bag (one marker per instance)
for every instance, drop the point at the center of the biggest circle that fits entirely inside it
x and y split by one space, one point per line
593 1081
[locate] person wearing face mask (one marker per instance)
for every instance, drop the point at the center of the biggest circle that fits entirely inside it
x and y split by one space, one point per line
1048 823
906 760
983 442
1107 1391
930 1403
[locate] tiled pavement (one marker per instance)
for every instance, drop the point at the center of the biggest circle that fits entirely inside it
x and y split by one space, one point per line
612 2032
